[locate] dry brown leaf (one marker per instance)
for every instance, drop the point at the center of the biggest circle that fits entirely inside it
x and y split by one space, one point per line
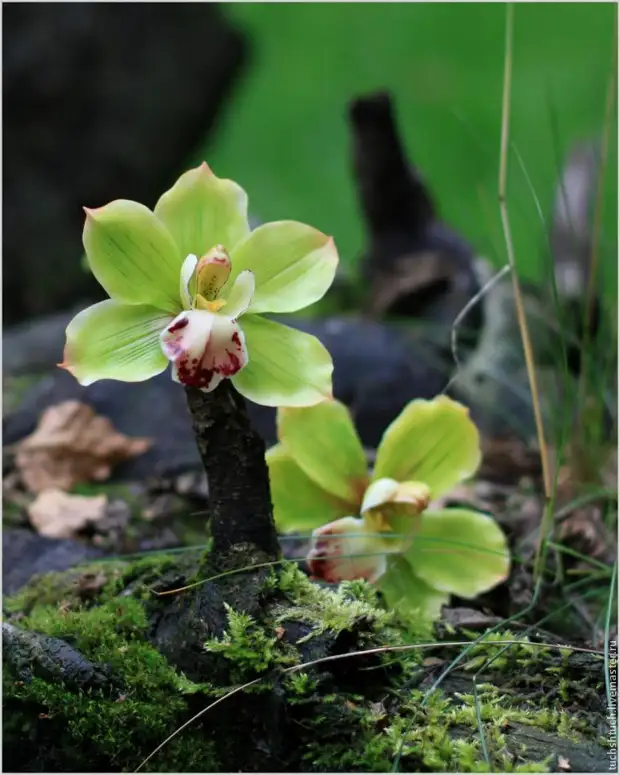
585 532
508 459
73 444
468 618
56 514
564 764
90 584
583 529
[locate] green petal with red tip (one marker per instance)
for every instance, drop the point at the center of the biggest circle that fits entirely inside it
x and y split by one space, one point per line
132 255
293 264
404 590
111 340
434 442
202 211
299 504
324 443
459 551
285 367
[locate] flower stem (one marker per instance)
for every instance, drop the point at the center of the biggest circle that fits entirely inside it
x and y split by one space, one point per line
233 455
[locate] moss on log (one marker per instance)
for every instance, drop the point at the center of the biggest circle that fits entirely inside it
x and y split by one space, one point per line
101 667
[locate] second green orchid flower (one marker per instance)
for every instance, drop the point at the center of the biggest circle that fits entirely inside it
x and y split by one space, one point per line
180 277
378 525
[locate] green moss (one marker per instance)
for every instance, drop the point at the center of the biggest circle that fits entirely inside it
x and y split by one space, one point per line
324 609
95 581
350 714
69 589
109 729
249 647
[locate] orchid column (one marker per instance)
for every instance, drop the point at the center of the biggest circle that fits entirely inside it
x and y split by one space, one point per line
188 284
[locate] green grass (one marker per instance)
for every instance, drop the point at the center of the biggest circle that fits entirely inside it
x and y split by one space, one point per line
284 135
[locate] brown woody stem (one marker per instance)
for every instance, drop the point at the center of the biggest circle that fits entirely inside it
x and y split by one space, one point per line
233 455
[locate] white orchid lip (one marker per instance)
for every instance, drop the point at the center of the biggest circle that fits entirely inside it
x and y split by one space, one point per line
204 348
205 343
343 550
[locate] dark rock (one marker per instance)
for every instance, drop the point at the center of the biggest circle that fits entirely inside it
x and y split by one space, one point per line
36 344
377 370
25 554
101 100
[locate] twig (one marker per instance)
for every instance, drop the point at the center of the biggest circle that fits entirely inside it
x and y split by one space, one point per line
525 337
349 655
470 304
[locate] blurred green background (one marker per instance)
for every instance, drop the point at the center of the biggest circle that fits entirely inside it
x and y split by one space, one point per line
284 134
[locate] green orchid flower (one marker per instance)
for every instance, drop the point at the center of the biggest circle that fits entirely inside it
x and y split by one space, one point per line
382 526
180 278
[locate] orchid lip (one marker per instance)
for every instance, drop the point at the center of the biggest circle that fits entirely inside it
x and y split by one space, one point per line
204 348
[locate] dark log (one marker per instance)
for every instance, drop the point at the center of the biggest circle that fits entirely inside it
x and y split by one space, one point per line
415 265
86 688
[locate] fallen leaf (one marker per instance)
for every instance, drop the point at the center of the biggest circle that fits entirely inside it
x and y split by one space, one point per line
583 527
56 514
586 533
73 444
507 459
433 662
468 618
89 584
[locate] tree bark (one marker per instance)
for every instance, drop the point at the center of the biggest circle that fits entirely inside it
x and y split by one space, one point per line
233 455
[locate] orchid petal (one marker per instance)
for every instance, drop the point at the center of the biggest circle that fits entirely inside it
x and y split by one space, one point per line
111 340
294 265
202 210
188 281
459 551
388 491
404 590
344 550
132 255
204 348
299 505
239 298
212 272
399 504
285 368
434 442
324 443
